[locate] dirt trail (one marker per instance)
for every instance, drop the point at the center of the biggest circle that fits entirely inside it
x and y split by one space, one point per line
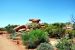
6 44
53 41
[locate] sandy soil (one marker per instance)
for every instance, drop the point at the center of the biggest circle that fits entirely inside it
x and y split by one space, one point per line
53 41
6 44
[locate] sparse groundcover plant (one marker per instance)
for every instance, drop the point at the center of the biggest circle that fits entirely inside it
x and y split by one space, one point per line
33 38
45 46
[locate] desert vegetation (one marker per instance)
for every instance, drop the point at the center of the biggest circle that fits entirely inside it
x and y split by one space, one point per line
38 36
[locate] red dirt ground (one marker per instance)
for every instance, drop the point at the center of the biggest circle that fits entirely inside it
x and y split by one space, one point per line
6 44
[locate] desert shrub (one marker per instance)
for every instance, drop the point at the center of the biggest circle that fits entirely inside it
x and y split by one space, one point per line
58 32
72 34
45 46
13 35
34 38
50 29
10 28
33 25
2 29
25 37
64 44
55 31
73 47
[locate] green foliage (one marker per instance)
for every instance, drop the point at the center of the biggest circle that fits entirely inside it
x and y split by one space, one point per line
71 33
46 24
45 46
58 32
10 28
64 44
60 25
25 37
13 36
34 25
34 38
49 29
55 31
2 29
74 26
73 47
68 23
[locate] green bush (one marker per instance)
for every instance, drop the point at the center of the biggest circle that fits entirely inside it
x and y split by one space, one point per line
73 47
13 35
10 28
34 25
64 44
55 31
45 46
72 34
34 38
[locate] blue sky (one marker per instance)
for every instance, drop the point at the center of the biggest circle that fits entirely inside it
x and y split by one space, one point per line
49 11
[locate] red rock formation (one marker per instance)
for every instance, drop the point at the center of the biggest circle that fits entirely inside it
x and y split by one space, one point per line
23 27
34 20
